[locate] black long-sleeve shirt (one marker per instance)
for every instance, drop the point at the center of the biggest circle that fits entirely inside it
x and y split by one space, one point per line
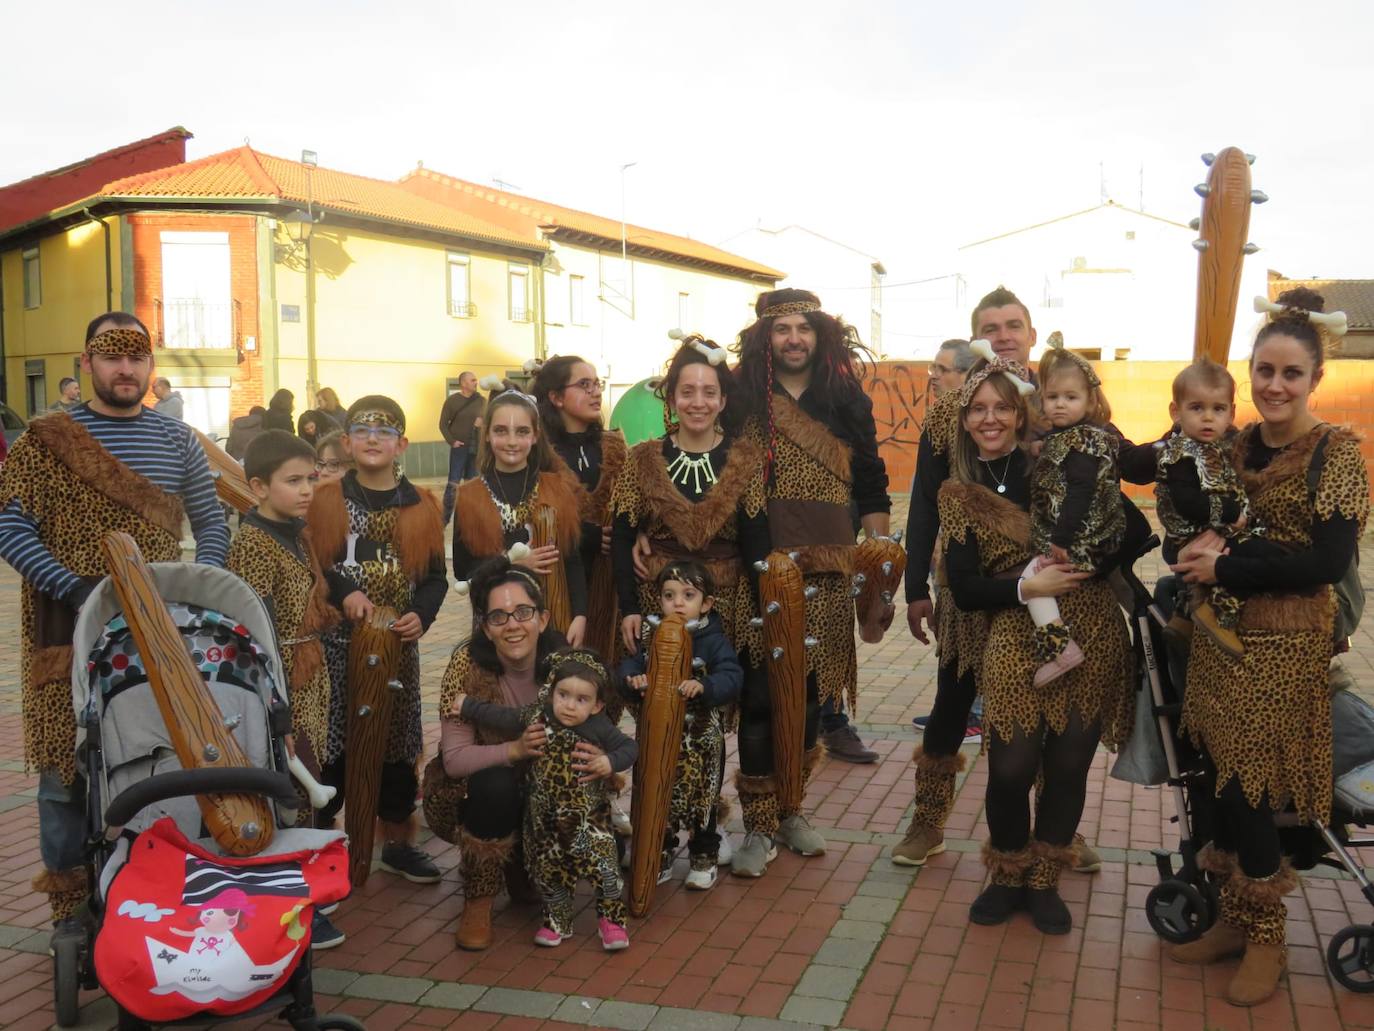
1191 501
752 531
513 487
582 454
972 589
1332 550
851 419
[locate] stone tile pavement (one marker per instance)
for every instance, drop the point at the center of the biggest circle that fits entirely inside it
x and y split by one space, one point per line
843 940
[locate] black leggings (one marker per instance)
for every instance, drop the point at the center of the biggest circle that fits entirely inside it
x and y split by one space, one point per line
954 697
395 794
494 803
1064 760
1237 826
756 721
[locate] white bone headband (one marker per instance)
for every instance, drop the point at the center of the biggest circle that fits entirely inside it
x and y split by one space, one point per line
491 382
1334 322
1019 376
518 550
714 355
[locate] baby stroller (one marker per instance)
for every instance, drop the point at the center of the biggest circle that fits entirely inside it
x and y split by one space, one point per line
1185 902
149 860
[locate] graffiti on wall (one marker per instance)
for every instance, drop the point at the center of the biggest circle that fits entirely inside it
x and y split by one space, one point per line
900 396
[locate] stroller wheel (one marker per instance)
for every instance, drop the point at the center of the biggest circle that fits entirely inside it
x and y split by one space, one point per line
338 1022
1177 911
1350 957
66 980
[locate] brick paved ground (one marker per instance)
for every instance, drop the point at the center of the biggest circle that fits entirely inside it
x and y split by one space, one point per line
846 939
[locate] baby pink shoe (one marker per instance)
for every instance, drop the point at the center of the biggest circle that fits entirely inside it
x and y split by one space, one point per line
613 936
549 938
1070 658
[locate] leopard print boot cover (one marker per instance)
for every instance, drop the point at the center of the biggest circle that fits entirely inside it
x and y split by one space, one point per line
758 801
934 777
1256 904
66 890
1007 868
1049 862
482 864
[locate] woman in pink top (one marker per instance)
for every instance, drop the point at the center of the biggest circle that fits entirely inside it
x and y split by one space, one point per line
503 662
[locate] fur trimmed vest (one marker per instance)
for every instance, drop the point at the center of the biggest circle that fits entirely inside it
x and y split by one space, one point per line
479 522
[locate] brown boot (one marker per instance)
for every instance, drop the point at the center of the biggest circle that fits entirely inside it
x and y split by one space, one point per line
1259 973
1220 941
1227 640
921 842
474 926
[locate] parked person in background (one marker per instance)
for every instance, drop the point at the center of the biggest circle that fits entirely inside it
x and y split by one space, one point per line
68 395
169 401
327 404
243 429
458 422
279 412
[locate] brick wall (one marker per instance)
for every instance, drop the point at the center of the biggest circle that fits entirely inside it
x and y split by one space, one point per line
243 275
1139 393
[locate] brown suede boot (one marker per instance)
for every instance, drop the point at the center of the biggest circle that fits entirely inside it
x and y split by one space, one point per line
1220 941
1258 975
1227 640
474 926
934 776
1258 905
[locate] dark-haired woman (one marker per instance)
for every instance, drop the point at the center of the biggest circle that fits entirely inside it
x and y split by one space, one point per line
1265 718
695 493
519 483
1054 728
278 415
502 663
568 390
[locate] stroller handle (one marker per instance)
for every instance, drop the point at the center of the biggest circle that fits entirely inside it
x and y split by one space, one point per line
205 781
1127 570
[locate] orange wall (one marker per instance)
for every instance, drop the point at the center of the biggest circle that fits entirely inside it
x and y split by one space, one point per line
1139 393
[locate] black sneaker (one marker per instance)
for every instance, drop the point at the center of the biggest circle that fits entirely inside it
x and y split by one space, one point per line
323 934
921 721
408 861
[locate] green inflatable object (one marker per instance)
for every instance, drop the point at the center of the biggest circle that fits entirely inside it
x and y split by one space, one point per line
639 413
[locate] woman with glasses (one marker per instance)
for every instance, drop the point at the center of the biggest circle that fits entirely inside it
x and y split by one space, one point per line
521 482
475 792
569 391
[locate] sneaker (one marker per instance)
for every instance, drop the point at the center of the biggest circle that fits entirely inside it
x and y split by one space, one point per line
703 879
726 851
405 859
329 909
549 938
323 933
921 721
797 834
973 730
1070 658
1085 858
843 743
613 936
620 821
753 857
665 868
921 842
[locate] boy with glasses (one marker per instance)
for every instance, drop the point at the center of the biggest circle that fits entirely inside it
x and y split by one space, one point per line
380 541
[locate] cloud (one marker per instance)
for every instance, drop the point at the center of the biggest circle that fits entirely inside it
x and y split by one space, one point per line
148 912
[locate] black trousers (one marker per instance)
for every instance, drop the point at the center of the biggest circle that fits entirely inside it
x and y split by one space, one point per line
1063 759
395 799
756 720
954 696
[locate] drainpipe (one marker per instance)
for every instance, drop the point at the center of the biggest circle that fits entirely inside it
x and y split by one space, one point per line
109 285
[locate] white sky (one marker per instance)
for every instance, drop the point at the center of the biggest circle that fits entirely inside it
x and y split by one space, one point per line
901 128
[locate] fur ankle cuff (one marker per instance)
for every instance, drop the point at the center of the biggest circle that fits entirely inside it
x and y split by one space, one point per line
938 764
1264 891
50 882
811 759
478 850
1006 864
747 784
1061 854
1214 861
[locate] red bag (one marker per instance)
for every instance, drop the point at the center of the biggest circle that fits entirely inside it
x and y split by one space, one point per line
188 932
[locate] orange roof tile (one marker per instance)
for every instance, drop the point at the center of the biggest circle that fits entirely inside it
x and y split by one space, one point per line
246 174
526 215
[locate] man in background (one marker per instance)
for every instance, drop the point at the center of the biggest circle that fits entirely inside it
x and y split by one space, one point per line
459 421
68 395
169 402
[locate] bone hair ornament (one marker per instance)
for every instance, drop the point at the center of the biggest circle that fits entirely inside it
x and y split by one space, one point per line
1334 323
518 551
533 366
491 382
713 354
1019 376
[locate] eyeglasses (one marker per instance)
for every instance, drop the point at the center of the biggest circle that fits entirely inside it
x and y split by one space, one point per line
936 369
333 465
1001 410
381 432
589 386
500 617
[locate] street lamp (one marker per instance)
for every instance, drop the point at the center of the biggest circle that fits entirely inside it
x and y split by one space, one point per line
299 226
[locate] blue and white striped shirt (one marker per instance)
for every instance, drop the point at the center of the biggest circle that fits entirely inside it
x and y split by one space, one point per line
160 448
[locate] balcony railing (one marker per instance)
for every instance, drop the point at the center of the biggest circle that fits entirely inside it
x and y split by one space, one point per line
193 324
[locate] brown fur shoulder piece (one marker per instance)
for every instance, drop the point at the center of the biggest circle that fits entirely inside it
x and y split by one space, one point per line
596 505
811 436
419 534
695 526
319 614
72 444
479 523
1291 461
50 665
558 490
327 521
990 511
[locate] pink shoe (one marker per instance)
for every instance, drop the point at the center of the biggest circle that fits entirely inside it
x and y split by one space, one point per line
550 939
1069 658
613 936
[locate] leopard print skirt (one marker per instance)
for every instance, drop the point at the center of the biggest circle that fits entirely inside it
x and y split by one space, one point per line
1102 688
1266 718
960 637
830 619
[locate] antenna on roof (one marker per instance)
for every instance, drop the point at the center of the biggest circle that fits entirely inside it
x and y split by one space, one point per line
501 184
1101 183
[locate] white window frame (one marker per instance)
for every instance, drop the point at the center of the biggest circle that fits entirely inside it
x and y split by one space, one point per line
577 300
459 271
521 273
33 294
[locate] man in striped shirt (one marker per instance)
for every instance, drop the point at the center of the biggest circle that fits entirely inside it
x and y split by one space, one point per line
72 477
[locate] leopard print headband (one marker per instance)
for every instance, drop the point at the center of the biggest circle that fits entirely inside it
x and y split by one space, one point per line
586 658
790 308
377 417
1089 373
120 343
1019 376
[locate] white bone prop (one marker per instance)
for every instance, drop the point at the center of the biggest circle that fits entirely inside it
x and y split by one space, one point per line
492 382
532 365
983 349
714 355
1334 322
319 794
518 550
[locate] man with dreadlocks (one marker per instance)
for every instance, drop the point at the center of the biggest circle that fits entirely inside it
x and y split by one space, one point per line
799 381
